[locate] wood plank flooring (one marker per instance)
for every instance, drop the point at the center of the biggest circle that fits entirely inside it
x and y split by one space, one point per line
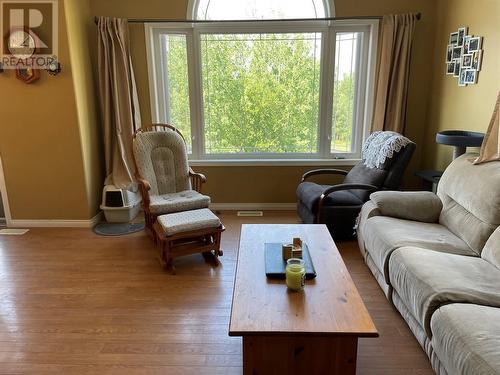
72 302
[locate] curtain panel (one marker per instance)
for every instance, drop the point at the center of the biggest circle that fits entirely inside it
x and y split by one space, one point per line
394 72
120 111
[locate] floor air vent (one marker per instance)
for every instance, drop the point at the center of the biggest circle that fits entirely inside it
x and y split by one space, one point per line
250 213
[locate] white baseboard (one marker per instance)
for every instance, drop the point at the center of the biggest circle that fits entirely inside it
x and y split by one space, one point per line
96 219
56 223
254 206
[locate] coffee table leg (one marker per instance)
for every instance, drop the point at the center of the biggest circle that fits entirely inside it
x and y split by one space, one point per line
292 354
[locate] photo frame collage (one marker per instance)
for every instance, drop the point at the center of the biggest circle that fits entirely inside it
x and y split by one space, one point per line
464 56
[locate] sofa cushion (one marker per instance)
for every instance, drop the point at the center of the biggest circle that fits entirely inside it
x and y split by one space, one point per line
382 235
471 200
182 201
467 338
491 251
426 280
309 194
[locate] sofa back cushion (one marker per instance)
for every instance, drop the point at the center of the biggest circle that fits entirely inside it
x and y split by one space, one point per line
471 200
491 251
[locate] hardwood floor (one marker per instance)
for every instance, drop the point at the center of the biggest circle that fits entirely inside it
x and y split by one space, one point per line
72 302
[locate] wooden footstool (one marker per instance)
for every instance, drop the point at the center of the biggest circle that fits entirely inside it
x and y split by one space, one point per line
188 232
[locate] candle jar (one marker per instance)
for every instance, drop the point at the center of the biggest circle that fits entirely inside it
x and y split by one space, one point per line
295 274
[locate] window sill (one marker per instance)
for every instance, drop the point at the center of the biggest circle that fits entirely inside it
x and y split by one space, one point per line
274 162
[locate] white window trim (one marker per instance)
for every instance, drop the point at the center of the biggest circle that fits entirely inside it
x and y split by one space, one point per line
274 162
192 8
366 86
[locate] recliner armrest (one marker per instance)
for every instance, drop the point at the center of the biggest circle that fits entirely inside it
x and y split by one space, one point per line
422 206
324 171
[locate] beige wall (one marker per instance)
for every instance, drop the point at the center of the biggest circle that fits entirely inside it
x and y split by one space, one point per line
40 144
464 108
278 184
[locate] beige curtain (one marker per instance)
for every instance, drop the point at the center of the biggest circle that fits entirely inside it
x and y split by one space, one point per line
490 149
394 72
119 102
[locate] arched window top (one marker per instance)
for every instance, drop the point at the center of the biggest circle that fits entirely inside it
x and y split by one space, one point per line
259 9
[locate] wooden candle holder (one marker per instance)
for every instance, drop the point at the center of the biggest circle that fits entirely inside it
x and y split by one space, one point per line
293 250
287 251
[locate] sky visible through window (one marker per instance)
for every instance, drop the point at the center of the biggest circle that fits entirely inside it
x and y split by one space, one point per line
259 9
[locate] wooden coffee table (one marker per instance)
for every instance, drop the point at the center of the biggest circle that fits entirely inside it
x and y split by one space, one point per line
312 332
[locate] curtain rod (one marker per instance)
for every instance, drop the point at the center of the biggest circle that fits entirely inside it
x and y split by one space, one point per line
152 20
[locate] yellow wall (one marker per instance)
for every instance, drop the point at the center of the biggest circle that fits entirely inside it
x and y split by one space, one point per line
464 108
80 24
421 66
277 184
40 143
50 143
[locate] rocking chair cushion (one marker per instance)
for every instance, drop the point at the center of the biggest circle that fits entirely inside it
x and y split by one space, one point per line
187 221
175 202
162 160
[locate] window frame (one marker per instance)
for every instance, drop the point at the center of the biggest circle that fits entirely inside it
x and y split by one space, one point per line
328 29
192 8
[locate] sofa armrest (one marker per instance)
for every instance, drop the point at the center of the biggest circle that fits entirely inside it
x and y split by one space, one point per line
368 210
422 206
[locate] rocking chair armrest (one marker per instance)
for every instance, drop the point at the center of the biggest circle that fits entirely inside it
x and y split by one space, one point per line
339 187
200 176
197 180
144 183
324 171
144 188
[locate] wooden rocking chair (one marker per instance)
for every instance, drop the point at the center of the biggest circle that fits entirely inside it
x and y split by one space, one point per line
166 182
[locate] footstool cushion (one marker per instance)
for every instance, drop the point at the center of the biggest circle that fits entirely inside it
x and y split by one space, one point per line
187 221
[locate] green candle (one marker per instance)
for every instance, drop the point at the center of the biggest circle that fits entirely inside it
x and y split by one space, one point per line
295 274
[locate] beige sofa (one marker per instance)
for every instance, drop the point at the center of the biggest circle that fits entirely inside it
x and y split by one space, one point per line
437 259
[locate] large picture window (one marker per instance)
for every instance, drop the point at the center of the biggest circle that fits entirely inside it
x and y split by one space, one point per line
260 93
297 90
